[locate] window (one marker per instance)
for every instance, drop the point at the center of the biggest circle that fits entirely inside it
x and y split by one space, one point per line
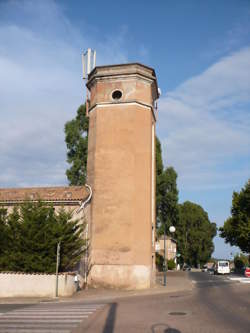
116 95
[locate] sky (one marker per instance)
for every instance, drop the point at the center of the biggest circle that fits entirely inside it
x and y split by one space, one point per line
200 51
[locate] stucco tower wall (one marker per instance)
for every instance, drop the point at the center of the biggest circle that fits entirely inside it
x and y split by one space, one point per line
120 171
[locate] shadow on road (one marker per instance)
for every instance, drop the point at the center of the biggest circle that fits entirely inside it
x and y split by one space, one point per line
110 321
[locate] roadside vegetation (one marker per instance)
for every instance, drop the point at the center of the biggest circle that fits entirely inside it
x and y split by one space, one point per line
236 229
240 262
29 236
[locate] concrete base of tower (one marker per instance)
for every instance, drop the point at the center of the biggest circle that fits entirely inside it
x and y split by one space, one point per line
126 277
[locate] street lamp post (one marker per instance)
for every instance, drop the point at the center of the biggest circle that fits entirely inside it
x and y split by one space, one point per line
165 267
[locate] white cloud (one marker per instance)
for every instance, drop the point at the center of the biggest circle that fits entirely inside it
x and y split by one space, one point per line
41 88
205 125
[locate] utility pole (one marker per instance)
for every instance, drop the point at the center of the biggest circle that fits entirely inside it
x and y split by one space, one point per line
165 259
57 265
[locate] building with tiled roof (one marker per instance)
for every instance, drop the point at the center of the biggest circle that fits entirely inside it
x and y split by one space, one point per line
69 197
59 195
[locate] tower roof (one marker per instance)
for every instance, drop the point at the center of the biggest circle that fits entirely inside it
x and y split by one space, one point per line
123 70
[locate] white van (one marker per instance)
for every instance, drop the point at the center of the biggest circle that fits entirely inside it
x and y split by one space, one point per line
222 267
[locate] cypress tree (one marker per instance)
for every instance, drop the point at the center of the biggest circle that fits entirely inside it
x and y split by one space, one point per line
33 232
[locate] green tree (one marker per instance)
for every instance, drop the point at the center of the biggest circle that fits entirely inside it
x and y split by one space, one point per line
76 138
34 229
167 193
195 234
159 171
236 229
240 261
14 255
70 234
3 238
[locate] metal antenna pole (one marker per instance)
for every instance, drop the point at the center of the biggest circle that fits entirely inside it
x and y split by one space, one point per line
88 63
57 265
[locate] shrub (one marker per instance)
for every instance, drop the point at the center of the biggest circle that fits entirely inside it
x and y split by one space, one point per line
171 264
159 262
240 261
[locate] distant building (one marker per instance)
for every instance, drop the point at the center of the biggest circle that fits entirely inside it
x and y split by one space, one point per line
171 247
70 197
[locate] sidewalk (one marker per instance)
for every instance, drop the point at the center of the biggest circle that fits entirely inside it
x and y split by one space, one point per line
177 281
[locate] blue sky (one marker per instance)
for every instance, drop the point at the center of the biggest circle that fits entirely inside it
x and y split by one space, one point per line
201 53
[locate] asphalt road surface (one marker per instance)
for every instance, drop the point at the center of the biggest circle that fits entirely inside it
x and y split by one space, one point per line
215 305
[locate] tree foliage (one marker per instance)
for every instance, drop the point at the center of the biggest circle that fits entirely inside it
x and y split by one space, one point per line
32 232
195 234
159 171
159 260
3 237
166 193
236 229
240 261
76 138
168 202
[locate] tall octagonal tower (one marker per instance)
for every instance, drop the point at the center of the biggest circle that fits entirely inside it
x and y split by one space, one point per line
121 172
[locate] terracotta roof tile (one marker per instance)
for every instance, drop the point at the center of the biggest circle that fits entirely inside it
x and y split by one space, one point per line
56 193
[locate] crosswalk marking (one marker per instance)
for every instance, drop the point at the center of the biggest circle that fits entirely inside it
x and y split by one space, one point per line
20 330
42 316
46 318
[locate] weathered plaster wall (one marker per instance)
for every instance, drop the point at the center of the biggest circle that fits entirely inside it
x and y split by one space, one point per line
120 173
35 285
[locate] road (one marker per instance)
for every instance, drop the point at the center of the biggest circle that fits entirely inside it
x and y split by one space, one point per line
215 305
56 317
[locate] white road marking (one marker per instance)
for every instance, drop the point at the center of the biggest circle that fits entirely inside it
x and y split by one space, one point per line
47 318
27 329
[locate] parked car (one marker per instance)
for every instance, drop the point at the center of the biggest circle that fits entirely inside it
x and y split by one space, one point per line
247 272
204 268
186 268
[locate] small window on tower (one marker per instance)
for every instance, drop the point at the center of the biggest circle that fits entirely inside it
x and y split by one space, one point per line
116 95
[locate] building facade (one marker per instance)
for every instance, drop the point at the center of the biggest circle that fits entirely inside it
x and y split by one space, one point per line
171 247
121 172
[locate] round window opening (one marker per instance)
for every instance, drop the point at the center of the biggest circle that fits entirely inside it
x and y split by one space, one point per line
116 95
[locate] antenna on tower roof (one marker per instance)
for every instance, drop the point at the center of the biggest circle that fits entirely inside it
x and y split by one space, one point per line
88 63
